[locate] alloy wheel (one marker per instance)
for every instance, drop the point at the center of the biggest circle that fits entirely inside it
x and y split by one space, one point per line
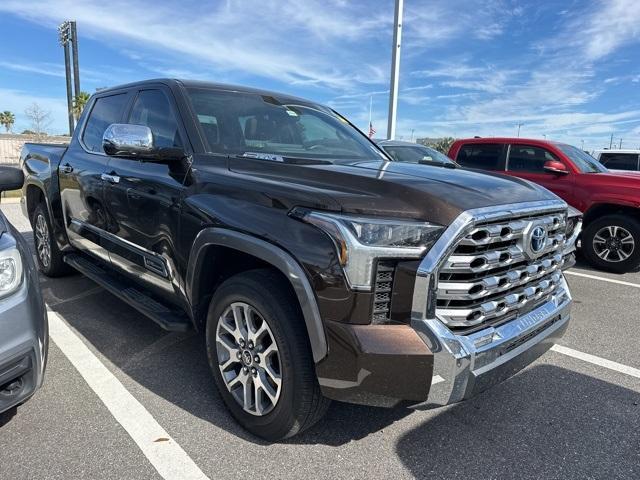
42 241
248 358
613 243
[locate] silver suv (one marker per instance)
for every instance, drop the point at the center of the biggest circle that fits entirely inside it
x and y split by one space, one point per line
24 338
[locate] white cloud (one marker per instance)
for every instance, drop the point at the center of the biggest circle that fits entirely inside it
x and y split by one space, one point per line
50 69
281 39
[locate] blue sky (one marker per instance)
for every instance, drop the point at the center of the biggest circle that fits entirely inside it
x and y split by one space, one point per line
567 70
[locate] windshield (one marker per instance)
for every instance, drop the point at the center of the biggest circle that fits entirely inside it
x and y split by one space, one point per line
582 160
416 154
260 126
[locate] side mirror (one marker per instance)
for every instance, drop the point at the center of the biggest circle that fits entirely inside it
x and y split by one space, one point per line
11 178
136 141
555 167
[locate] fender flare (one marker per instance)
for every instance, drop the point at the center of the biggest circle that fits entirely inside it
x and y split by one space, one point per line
272 255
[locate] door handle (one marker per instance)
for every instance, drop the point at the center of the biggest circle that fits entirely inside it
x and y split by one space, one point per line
111 178
67 168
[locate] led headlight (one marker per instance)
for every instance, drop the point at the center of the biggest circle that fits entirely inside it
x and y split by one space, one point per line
572 230
10 271
361 240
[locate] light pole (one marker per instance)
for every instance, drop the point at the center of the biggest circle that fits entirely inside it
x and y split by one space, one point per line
67 33
519 125
395 70
64 35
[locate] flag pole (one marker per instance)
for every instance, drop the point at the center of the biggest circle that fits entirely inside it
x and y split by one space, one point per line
370 109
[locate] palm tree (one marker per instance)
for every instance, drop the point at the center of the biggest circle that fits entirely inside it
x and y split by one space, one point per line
7 119
79 101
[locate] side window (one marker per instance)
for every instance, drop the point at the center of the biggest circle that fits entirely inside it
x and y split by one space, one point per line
152 109
483 156
620 161
524 158
105 111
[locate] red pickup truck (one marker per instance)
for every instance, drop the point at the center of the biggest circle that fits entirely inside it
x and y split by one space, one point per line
609 200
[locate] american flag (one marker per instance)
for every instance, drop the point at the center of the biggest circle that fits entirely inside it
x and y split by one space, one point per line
372 131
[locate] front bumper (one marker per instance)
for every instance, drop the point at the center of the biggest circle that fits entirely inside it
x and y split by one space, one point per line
23 334
465 365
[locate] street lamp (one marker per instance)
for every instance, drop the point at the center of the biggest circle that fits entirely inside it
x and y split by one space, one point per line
67 33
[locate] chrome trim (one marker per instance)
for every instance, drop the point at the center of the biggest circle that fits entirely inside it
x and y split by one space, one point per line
461 359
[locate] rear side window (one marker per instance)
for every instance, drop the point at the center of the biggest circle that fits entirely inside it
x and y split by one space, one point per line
620 161
105 111
152 109
525 158
484 156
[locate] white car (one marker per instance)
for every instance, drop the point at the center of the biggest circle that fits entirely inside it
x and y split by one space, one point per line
619 159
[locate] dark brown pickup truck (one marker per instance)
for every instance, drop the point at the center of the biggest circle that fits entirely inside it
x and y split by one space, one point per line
316 267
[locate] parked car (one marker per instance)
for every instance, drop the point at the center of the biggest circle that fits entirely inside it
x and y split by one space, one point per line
610 201
619 159
316 267
24 336
410 152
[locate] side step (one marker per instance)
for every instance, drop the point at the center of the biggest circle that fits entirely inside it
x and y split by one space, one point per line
167 317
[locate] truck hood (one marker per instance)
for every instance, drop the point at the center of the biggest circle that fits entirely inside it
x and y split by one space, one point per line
391 189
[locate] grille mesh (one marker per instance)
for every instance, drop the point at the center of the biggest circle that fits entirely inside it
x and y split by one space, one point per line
382 292
494 275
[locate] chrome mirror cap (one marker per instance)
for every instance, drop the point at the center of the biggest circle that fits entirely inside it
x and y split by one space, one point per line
121 139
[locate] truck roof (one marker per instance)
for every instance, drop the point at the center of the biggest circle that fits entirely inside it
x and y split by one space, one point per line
616 150
212 85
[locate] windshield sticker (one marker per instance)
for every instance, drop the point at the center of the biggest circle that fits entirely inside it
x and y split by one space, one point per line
263 156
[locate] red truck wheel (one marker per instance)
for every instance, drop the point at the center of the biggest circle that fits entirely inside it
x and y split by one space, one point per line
612 243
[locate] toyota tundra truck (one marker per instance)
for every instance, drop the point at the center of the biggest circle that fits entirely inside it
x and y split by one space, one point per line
316 267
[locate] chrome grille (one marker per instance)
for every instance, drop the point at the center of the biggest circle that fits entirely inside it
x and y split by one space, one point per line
494 274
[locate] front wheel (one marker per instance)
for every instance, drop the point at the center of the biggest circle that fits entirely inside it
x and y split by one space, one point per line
612 243
260 356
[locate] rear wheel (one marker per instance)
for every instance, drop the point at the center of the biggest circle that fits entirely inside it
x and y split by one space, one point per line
612 243
260 356
48 255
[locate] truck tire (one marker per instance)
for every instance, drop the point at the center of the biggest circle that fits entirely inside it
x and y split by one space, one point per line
48 255
612 243
260 356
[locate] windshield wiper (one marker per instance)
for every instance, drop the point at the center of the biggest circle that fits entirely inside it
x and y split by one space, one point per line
437 163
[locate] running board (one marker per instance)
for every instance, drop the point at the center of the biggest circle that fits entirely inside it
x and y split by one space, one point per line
167 317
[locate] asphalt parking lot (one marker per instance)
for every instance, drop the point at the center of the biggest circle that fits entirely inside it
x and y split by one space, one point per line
575 413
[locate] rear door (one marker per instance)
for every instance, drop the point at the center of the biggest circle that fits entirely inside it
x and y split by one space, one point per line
81 185
144 200
527 161
620 161
482 156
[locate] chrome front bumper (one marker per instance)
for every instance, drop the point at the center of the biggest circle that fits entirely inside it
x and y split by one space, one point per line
465 365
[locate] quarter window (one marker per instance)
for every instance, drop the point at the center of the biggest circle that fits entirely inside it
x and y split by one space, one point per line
524 158
105 111
620 161
484 156
152 109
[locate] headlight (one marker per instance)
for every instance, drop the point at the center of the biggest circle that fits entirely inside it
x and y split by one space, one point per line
574 217
10 271
360 241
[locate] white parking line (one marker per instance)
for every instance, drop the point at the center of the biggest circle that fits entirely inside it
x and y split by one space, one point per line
603 279
602 362
166 456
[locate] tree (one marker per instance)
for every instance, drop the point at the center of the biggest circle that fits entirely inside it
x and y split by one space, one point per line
79 102
40 119
441 144
7 119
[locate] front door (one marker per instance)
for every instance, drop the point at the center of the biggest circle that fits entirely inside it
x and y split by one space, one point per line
527 161
143 198
80 177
